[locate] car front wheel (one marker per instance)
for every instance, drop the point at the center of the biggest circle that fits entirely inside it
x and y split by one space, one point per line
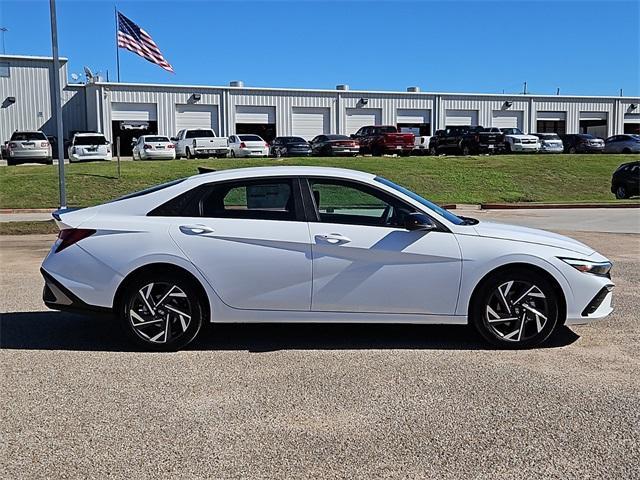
515 309
161 312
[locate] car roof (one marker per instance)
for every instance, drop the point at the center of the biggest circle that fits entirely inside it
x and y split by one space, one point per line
297 171
88 134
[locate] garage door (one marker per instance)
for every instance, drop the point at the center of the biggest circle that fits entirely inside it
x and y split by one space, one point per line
461 117
551 116
593 115
307 122
409 115
502 119
255 114
197 116
361 117
134 111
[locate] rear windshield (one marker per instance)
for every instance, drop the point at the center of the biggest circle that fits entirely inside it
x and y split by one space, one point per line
338 137
548 136
156 139
250 138
199 133
512 131
90 140
149 190
293 140
388 129
28 136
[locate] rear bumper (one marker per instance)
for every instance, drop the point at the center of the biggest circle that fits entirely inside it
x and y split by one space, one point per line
558 149
74 157
168 154
36 154
211 151
590 148
246 152
57 297
342 150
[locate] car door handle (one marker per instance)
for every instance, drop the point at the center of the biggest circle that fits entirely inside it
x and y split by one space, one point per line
195 229
333 238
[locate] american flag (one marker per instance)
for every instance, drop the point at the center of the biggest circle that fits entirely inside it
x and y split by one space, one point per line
136 40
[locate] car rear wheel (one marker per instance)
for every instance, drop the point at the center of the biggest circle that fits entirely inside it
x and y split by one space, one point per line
232 153
466 150
621 192
161 312
433 151
188 153
515 309
572 150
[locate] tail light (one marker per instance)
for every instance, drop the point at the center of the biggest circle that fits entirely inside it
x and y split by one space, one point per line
477 138
266 145
146 146
171 145
243 145
44 144
12 145
69 236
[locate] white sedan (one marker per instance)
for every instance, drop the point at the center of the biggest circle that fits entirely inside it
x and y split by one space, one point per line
248 146
311 244
153 147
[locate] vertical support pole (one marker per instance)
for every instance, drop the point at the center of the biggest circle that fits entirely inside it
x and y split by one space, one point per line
57 104
118 154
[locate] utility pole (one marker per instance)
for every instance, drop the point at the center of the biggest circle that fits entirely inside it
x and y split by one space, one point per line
57 104
524 90
3 30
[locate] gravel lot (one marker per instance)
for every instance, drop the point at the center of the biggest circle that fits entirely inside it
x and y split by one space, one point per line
316 401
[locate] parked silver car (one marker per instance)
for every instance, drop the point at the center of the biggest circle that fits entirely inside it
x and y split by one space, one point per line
550 143
627 143
28 146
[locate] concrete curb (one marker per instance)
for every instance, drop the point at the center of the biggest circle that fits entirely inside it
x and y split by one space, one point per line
9 211
514 206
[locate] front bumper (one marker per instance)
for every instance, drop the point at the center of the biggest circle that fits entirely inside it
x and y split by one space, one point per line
591 148
525 147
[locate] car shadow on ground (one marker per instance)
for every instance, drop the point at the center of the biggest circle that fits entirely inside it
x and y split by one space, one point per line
65 331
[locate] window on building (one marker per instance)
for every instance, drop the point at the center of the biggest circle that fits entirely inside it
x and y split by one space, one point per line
4 69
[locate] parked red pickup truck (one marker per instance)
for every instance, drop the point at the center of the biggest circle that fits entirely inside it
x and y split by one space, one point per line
378 140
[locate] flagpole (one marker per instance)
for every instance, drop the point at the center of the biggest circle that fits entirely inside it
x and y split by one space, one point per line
117 49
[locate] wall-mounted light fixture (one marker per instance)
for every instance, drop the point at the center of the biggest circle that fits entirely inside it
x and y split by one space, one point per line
633 106
8 102
362 102
507 104
196 97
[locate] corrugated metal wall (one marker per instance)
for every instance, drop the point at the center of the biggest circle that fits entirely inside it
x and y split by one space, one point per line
89 107
30 83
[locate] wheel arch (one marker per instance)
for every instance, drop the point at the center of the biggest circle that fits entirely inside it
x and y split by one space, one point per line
163 267
562 300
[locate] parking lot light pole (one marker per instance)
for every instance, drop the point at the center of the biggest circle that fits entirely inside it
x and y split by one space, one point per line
56 100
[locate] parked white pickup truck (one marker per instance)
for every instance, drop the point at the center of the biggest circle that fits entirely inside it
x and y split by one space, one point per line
200 142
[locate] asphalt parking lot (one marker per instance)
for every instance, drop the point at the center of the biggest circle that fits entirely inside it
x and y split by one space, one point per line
321 401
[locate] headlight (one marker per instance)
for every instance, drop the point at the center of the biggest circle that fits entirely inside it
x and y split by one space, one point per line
586 266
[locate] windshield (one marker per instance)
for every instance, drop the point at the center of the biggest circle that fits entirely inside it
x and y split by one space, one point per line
431 206
250 138
28 136
90 140
512 131
199 134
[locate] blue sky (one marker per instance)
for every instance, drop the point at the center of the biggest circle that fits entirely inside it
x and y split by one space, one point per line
584 47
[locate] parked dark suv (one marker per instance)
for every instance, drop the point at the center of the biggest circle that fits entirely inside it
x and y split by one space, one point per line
582 143
625 181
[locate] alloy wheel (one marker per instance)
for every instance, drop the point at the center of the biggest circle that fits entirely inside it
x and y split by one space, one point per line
160 312
516 311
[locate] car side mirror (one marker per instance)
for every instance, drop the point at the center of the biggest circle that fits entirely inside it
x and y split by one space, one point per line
419 221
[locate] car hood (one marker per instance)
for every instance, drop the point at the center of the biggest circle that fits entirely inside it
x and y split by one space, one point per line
531 235
523 137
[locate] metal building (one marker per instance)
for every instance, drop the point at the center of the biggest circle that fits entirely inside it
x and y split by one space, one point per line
126 110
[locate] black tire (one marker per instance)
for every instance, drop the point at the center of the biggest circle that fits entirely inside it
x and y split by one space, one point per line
466 150
621 192
507 148
511 323
232 153
626 150
188 153
433 151
150 335
572 150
